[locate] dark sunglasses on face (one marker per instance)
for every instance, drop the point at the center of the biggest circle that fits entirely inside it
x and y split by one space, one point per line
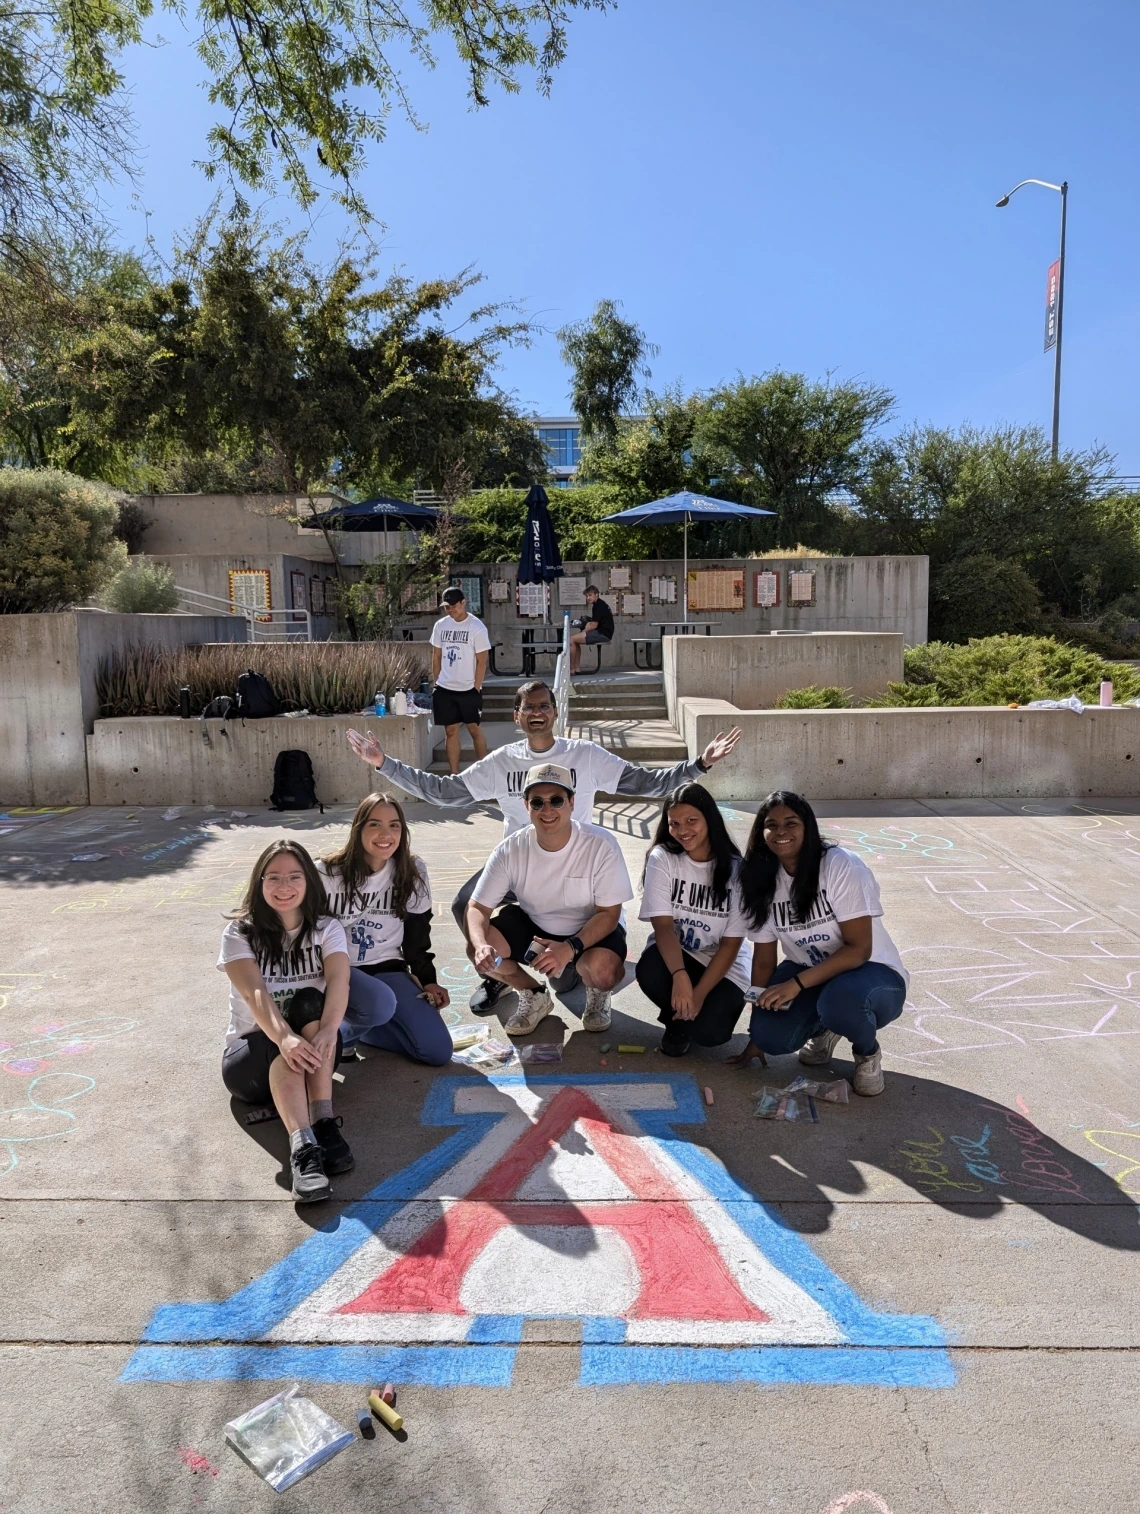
537 802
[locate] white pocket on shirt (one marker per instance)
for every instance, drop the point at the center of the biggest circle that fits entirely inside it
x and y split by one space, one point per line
577 893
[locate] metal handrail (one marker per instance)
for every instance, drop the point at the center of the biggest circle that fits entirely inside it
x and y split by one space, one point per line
562 679
263 625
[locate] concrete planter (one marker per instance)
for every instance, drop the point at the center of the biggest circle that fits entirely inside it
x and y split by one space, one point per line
150 760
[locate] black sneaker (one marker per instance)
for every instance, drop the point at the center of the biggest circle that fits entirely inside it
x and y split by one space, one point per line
486 996
310 1182
675 1043
335 1149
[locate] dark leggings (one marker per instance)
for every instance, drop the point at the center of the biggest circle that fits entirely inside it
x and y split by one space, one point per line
719 1013
855 1004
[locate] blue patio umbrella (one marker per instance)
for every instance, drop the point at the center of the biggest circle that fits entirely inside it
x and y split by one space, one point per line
680 509
540 561
380 513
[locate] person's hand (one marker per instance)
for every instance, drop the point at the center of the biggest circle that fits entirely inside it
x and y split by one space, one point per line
366 747
324 1043
485 961
722 745
555 957
436 995
780 995
299 1055
682 997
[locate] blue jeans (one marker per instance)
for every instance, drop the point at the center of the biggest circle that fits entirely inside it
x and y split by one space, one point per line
400 1019
857 1004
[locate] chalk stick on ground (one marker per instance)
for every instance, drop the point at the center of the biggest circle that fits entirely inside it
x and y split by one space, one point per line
708 1095
631 1049
383 1409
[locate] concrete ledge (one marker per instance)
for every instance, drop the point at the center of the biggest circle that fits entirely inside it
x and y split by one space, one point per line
147 760
976 752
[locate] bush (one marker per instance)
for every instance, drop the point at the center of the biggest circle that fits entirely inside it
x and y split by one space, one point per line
982 596
1003 669
141 588
57 540
326 677
812 698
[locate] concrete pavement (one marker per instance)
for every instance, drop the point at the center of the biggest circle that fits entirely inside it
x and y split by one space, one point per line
925 1299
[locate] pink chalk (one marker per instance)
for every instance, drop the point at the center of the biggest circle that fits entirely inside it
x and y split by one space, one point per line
708 1096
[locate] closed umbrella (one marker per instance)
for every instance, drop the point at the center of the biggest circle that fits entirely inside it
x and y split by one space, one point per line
680 509
540 561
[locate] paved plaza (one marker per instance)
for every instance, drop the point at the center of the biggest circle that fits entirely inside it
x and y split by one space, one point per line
595 1290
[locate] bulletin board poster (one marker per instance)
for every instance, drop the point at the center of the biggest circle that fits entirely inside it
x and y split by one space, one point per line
472 586
249 590
500 592
621 578
317 596
716 589
423 601
801 588
530 601
632 604
663 590
572 591
766 590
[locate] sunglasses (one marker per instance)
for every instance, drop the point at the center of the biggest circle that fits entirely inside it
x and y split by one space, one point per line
556 801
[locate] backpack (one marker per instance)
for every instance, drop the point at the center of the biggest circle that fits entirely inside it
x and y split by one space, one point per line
294 787
219 708
255 697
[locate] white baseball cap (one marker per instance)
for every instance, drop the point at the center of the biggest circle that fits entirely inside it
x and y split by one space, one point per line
549 772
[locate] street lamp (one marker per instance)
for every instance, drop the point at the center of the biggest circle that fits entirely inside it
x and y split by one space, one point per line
1063 191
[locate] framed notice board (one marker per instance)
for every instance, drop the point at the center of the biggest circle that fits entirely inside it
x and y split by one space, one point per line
716 589
249 589
766 590
472 587
801 588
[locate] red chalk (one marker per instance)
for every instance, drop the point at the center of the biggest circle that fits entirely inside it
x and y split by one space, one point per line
708 1096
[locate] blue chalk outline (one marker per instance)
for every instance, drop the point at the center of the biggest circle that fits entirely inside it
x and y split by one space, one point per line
883 1349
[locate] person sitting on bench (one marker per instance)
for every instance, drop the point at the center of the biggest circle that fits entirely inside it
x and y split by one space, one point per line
598 630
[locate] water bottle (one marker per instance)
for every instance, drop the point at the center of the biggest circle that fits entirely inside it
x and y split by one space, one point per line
399 703
381 703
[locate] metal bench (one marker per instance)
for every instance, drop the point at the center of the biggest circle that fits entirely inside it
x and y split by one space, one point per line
643 647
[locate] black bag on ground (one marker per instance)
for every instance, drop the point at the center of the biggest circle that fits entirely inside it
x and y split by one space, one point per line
255 697
294 787
219 708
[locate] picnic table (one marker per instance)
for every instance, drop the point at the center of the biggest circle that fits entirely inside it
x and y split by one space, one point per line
686 627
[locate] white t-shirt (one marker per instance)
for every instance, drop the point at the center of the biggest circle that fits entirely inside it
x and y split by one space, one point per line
375 933
558 890
501 775
302 969
847 891
677 886
459 641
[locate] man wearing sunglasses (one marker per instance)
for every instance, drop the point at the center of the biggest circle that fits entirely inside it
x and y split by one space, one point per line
500 776
568 883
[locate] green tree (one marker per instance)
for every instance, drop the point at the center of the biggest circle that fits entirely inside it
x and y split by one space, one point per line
141 588
57 540
651 456
605 355
982 596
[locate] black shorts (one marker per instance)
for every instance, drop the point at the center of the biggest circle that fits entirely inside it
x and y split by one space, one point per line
245 1066
597 639
518 930
457 706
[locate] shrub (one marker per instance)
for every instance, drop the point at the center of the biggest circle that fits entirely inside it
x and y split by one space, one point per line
982 596
141 588
1001 669
57 540
326 677
812 698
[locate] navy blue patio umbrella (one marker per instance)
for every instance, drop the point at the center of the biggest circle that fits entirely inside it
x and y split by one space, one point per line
380 513
540 561
680 509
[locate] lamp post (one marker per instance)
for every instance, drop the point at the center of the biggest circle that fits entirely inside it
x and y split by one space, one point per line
1063 191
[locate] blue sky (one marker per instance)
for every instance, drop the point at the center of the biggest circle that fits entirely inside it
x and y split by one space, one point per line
807 184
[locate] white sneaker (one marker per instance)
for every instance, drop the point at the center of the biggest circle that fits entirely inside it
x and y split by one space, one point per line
596 1015
869 1074
534 1005
819 1049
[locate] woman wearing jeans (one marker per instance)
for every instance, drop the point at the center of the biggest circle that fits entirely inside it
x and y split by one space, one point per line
841 977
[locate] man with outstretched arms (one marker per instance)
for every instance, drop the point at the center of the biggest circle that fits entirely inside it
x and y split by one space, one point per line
566 884
500 777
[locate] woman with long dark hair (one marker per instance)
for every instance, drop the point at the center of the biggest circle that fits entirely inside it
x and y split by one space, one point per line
841 977
696 969
287 962
379 891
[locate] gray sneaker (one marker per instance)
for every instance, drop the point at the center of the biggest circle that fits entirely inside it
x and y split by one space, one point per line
869 1074
596 1015
534 1005
819 1049
310 1181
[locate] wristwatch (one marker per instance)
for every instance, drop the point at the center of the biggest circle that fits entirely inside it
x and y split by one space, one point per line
575 945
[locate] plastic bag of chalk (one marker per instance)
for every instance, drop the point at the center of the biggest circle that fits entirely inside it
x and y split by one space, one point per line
831 1093
778 1104
286 1438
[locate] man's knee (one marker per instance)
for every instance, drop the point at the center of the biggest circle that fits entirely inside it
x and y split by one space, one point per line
603 970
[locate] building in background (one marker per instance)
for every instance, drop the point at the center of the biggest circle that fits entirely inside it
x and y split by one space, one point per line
561 436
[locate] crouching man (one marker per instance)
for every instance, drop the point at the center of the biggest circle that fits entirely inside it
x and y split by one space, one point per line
569 882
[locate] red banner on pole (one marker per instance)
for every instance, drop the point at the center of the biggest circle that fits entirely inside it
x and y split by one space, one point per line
1052 290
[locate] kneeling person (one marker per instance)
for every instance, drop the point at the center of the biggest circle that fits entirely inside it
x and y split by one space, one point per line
570 882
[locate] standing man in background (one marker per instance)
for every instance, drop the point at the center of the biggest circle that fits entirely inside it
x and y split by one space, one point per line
460 647
597 631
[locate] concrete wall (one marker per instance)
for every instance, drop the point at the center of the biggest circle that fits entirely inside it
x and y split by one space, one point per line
852 594
48 702
210 575
753 671
163 760
969 753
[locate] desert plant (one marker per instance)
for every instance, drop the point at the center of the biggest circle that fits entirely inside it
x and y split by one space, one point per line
907 695
799 550
813 698
57 541
326 677
1003 669
141 588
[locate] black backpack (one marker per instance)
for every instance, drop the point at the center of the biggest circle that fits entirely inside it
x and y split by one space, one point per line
255 697
294 787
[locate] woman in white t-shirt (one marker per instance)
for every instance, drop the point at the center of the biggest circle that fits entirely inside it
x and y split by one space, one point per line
697 967
841 977
380 893
287 962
